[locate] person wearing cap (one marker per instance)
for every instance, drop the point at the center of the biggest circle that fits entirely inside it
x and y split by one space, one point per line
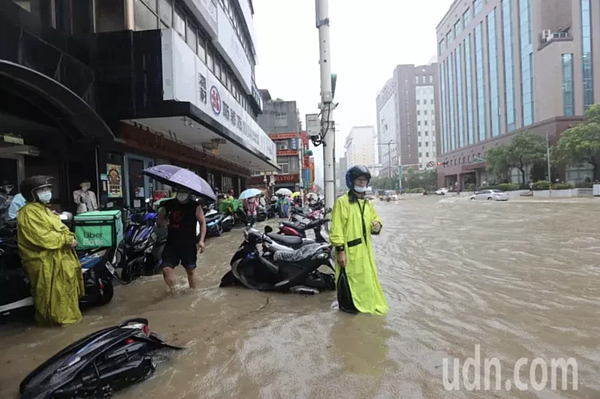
353 221
47 249
84 198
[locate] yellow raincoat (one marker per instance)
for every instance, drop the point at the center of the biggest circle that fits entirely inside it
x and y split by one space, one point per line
51 265
347 227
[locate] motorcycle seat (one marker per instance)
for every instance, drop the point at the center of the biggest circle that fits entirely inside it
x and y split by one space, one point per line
294 242
298 255
293 225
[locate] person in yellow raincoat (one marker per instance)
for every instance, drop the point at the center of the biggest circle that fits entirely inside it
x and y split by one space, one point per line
47 254
353 220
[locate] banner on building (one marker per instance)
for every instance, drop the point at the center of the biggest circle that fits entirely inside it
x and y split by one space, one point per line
312 169
306 162
306 177
115 181
287 178
287 153
283 136
294 144
304 137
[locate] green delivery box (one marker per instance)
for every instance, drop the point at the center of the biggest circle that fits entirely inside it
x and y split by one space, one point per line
98 229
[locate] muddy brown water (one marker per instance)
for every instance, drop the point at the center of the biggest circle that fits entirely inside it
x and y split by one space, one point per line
521 279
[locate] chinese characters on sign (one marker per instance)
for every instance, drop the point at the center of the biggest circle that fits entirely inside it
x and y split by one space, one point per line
115 187
225 110
202 83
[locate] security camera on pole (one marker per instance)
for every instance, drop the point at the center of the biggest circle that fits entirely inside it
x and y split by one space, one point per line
326 136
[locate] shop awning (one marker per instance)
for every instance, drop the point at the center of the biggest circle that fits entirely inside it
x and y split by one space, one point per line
51 100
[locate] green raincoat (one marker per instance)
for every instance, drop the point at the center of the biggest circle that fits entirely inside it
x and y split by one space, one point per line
347 227
51 265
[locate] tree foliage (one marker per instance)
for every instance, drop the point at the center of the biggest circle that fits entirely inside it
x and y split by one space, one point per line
525 148
581 144
497 160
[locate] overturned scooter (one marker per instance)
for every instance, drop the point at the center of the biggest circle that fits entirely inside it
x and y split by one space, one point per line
278 269
98 365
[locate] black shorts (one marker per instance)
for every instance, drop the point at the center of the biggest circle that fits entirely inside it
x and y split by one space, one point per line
177 252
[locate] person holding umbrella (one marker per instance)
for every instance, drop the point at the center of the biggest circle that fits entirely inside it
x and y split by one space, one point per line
181 216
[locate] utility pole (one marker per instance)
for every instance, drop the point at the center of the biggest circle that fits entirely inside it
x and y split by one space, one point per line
327 106
548 157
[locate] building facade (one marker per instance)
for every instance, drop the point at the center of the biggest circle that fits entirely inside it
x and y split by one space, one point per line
340 173
281 120
100 90
407 122
512 65
359 146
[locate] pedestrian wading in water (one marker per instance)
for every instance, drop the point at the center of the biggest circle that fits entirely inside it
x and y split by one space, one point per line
353 220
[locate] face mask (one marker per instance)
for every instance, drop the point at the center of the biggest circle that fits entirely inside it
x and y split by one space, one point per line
181 197
45 196
360 189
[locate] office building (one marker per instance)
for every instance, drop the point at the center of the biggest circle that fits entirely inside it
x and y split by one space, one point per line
407 122
512 65
341 169
100 90
281 120
359 146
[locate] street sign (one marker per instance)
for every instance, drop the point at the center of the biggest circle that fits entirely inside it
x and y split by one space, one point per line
313 125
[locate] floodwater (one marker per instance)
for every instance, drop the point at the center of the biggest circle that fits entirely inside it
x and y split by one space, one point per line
521 279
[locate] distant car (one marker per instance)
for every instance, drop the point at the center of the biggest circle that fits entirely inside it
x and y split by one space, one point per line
390 195
441 191
490 195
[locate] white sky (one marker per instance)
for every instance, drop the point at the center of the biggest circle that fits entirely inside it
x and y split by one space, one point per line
368 39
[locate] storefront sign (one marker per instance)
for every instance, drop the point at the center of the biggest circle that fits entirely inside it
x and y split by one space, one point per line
287 153
13 139
287 178
306 162
115 181
312 170
180 65
294 144
304 139
283 136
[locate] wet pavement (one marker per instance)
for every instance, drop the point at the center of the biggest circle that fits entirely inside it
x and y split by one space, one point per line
521 279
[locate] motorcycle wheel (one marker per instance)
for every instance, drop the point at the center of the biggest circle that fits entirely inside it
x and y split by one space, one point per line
107 292
132 271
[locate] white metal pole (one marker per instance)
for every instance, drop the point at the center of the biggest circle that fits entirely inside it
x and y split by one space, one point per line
327 107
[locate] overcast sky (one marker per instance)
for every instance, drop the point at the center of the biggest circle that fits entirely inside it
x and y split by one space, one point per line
368 39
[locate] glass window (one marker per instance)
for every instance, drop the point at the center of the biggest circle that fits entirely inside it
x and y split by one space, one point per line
509 77
457 29
418 101
218 68
452 100
416 79
145 19
477 4
210 61
567 85
427 154
480 88
418 112
444 115
201 48
179 22
587 60
449 38
191 37
430 78
493 74
466 18
151 4
468 79
110 16
441 47
165 9
525 39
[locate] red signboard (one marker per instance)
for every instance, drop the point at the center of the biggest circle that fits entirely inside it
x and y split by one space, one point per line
287 178
306 162
284 136
287 153
304 139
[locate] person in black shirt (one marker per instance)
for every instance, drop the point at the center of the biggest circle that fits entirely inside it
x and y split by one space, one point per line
183 243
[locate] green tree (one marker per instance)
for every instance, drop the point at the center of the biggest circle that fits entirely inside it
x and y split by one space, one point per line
498 162
581 144
526 148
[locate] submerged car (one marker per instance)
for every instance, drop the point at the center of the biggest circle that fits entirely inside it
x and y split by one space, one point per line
490 195
441 191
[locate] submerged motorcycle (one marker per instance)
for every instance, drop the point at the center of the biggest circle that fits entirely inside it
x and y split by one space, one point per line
280 269
98 365
217 223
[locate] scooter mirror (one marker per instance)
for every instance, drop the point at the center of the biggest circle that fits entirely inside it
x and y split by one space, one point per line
268 229
328 210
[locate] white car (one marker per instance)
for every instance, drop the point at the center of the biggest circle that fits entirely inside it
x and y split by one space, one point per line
441 191
490 195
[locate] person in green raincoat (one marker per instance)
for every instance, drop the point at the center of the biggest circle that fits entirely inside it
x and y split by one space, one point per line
353 220
47 250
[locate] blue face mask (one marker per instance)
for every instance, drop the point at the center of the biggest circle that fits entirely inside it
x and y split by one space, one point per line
45 197
360 189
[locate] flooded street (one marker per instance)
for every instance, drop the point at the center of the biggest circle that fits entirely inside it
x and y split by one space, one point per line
521 279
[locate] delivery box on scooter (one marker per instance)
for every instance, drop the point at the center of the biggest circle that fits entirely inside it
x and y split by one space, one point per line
98 229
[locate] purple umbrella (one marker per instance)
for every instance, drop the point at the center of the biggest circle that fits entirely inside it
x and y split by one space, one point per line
181 178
